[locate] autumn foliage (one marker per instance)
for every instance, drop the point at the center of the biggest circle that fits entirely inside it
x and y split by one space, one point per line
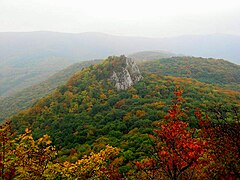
181 152
23 157
100 165
178 151
223 146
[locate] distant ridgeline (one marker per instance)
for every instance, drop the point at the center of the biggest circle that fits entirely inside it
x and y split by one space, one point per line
115 103
212 71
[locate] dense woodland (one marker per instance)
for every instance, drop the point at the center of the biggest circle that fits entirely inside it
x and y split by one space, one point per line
179 126
28 96
212 71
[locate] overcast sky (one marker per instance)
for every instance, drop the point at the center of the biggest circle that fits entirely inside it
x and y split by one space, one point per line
151 18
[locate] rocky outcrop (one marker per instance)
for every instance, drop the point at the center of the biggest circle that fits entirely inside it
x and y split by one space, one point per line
126 75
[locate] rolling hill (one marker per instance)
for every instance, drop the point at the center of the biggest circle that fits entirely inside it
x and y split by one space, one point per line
26 97
29 58
88 112
150 55
211 71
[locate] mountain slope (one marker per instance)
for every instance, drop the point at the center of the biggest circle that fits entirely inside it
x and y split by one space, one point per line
150 55
88 111
31 57
211 71
25 98
21 74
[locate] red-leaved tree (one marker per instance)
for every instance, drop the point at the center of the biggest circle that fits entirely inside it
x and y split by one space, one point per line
223 146
178 152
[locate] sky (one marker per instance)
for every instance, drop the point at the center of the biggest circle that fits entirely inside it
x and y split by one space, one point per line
148 18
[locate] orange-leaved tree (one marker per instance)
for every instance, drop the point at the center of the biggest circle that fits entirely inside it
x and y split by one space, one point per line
178 152
7 170
22 156
102 165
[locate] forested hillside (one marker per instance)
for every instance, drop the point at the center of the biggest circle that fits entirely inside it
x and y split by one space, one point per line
88 107
119 90
89 116
150 55
25 98
211 71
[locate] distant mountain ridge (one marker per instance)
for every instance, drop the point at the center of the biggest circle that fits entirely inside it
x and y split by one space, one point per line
98 45
28 58
151 55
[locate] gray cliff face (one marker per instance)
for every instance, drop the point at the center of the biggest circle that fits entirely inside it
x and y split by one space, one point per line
127 75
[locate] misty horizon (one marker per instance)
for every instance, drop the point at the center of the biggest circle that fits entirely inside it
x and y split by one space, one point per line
134 36
126 18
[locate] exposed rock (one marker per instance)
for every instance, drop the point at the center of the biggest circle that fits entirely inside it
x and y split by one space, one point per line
126 75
